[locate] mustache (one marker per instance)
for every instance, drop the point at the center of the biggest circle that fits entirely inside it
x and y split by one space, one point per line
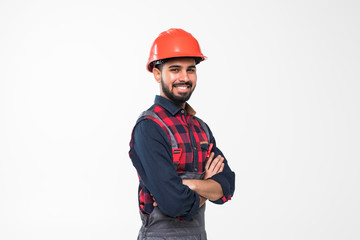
188 84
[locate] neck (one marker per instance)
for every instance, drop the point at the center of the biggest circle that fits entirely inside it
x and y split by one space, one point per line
182 105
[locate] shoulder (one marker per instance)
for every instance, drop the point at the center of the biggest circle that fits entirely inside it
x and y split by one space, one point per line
200 121
151 128
203 125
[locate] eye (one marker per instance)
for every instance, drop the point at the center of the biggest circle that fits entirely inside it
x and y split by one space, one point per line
192 70
174 70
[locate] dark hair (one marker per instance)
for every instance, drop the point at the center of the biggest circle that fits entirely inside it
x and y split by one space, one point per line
159 63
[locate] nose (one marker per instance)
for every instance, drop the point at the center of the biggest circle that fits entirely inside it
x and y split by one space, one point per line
184 75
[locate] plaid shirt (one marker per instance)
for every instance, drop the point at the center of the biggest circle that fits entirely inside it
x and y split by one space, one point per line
151 154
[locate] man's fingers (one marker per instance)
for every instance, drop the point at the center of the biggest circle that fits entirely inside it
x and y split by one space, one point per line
218 165
221 167
154 203
215 163
209 160
214 166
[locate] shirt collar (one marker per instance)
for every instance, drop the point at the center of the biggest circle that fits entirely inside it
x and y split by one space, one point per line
172 107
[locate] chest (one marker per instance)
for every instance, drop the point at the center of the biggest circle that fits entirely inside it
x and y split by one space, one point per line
192 141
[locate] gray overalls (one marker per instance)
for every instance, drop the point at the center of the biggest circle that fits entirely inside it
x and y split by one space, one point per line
157 226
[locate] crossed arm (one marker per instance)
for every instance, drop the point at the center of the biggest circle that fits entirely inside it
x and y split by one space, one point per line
207 188
152 158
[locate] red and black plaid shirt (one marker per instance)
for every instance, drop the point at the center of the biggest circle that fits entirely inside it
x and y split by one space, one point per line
151 154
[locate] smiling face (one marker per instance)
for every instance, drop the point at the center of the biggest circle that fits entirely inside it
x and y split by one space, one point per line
177 79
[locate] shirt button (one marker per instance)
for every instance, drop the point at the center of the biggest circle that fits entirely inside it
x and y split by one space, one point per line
195 169
182 111
195 148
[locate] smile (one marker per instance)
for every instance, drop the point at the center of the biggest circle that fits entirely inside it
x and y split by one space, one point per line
182 88
182 85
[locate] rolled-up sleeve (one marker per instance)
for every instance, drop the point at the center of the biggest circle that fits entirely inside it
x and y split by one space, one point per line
226 178
151 155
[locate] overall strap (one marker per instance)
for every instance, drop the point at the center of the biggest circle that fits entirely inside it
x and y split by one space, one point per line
144 114
176 151
205 127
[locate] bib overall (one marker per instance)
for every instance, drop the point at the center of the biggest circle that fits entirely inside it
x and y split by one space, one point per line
158 226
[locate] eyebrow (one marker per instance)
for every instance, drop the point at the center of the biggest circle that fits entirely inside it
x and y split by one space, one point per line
178 66
175 66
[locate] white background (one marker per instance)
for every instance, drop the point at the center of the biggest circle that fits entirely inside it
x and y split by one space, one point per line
280 91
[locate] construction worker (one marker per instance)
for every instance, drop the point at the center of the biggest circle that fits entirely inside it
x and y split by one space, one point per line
174 152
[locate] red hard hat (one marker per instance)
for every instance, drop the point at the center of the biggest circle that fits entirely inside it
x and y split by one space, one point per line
172 43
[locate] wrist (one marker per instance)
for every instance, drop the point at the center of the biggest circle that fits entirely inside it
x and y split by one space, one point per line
191 183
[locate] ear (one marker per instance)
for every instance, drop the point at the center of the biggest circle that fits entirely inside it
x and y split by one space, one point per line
157 74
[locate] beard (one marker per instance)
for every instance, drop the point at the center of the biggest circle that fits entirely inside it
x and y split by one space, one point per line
182 98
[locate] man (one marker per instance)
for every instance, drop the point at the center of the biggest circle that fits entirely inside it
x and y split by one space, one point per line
175 154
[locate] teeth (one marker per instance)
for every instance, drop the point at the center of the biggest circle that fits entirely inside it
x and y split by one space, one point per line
182 87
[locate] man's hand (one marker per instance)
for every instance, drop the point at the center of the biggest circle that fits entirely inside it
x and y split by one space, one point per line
154 203
202 201
213 167
208 188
